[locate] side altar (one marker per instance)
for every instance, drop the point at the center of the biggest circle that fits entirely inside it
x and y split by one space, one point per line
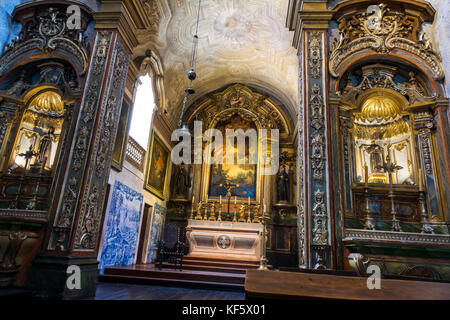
224 240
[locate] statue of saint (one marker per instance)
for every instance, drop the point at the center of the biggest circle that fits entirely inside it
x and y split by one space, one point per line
283 184
182 182
376 157
45 148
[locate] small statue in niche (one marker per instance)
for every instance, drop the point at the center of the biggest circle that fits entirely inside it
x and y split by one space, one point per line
45 148
283 184
376 157
182 182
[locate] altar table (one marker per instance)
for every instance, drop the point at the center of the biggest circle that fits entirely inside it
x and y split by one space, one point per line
224 240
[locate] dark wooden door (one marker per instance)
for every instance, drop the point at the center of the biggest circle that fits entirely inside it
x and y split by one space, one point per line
142 235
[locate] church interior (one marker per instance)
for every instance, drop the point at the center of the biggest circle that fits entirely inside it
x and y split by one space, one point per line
95 94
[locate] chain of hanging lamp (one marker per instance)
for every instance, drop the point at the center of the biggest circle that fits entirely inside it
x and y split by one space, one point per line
192 75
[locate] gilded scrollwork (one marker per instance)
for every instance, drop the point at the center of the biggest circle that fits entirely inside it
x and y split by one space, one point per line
317 137
315 58
382 30
89 223
240 100
47 31
379 76
72 187
319 216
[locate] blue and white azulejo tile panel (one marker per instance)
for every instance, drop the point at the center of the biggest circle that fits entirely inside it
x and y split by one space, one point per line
122 227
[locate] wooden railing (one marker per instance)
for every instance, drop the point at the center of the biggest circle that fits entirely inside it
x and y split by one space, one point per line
135 154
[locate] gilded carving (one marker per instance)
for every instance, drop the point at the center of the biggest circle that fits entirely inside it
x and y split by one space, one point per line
89 223
319 215
382 77
383 30
315 55
240 100
317 137
72 187
48 32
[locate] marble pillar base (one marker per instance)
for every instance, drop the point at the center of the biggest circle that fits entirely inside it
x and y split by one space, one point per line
235 241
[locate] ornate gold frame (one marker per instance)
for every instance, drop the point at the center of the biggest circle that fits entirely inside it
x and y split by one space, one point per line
147 186
118 163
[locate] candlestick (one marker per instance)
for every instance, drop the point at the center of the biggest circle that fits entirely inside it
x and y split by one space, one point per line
220 199
248 200
366 176
420 180
235 199
192 208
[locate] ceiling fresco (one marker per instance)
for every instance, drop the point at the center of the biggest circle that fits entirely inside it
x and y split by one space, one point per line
240 41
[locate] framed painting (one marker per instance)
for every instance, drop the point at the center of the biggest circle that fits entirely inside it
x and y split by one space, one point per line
122 135
244 175
158 167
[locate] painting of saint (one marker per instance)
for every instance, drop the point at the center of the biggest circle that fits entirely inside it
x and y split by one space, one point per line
122 135
243 175
157 168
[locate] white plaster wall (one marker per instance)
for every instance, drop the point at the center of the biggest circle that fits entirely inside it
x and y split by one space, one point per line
134 179
440 35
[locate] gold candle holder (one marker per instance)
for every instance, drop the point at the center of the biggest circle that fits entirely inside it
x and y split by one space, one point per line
192 208
256 213
199 211
205 216
242 213
249 218
212 215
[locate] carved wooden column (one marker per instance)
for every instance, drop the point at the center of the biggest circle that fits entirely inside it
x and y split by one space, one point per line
7 116
76 221
310 21
425 127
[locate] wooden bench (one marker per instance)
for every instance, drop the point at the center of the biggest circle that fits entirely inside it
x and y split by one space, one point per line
306 285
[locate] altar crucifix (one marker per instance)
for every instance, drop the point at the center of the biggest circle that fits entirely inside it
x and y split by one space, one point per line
28 155
390 167
228 185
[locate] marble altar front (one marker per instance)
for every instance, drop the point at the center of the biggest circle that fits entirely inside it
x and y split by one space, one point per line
236 241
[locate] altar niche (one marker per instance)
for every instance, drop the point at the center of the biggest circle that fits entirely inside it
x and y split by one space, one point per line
32 146
37 141
384 168
228 199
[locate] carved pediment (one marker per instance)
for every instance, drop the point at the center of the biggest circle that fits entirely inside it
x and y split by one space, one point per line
240 100
380 76
382 28
46 28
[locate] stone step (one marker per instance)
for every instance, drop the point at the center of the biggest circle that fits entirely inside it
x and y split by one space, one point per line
201 267
221 263
172 282
150 271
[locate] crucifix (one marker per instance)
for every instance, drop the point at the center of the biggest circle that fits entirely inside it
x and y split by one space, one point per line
390 167
28 155
228 185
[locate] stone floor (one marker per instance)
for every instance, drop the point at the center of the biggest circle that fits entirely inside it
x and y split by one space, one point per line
121 291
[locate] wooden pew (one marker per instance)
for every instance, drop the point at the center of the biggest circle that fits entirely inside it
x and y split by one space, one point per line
299 285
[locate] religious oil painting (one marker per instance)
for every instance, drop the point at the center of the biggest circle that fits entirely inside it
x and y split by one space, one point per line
159 216
122 136
122 227
157 167
243 175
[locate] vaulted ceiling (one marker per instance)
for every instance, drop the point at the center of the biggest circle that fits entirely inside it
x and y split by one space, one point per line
240 41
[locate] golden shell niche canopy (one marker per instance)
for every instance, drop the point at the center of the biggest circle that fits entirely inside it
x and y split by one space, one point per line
380 118
49 103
